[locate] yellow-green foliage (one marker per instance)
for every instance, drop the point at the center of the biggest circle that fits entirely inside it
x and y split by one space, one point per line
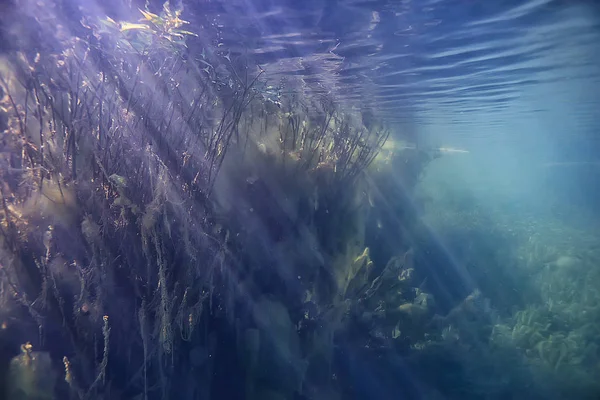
151 31
53 204
350 272
555 266
31 376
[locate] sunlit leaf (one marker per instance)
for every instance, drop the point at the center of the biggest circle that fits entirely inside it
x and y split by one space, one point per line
179 22
128 26
109 21
182 32
149 16
167 8
107 25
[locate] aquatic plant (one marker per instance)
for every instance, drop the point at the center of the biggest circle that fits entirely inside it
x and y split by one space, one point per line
107 171
153 31
31 375
154 200
113 214
547 326
319 136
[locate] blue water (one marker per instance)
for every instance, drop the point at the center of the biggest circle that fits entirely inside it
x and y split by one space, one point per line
514 88
463 263
471 66
514 83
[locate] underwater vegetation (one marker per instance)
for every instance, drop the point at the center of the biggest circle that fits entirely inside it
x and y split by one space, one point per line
170 230
543 334
156 211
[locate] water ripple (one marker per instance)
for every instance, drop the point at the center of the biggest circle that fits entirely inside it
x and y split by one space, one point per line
428 60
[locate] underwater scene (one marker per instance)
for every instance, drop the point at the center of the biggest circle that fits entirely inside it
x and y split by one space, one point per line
299 200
